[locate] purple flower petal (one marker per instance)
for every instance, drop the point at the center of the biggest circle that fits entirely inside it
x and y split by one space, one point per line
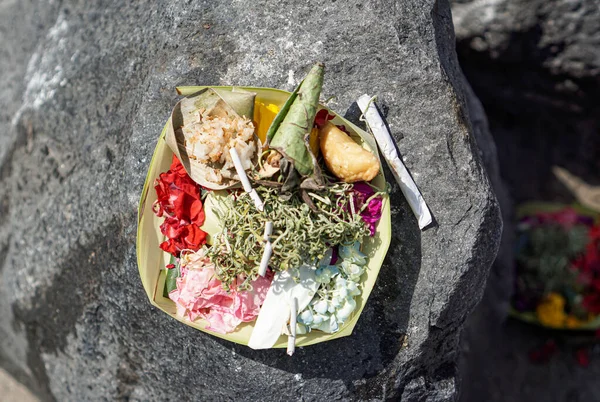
372 213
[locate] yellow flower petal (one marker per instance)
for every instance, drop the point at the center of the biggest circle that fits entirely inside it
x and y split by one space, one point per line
263 116
573 322
551 311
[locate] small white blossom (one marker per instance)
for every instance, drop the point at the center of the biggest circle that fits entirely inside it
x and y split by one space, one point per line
324 274
321 306
334 302
306 317
344 313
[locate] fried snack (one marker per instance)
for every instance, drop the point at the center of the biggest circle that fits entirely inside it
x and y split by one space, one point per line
346 159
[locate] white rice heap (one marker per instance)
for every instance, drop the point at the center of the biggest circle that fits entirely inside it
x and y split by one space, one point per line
209 140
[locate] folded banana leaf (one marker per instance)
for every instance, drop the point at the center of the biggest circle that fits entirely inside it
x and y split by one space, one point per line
290 131
215 102
152 260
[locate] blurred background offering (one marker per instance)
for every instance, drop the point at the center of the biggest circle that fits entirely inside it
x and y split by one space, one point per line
535 66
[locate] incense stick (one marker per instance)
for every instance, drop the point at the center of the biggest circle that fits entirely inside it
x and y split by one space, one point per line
264 262
244 179
291 346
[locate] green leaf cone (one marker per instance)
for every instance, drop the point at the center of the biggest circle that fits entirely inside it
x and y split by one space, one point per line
299 120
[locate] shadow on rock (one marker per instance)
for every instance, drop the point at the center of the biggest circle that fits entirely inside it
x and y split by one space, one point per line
56 309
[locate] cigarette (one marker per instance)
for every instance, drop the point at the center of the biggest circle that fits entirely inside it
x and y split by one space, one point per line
387 145
244 179
264 262
291 346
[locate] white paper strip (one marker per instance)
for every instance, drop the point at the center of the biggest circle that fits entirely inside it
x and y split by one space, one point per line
387 146
291 347
244 179
275 311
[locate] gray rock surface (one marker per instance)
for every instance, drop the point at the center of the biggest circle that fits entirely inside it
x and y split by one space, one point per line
535 65
86 90
560 36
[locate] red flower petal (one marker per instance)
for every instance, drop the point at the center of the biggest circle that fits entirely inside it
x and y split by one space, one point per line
195 237
543 353
177 168
171 228
322 117
179 201
583 357
591 302
343 128
197 215
169 246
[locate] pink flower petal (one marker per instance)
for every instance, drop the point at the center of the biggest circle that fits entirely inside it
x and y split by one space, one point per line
199 294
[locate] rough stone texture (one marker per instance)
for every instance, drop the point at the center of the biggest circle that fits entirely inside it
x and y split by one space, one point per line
535 65
560 36
86 90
